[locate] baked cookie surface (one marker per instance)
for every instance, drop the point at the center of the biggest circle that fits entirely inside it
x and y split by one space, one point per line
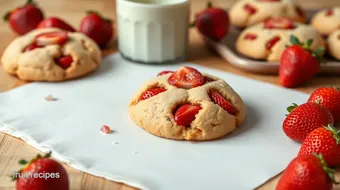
250 12
51 54
197 113
327 21
268 40
333 42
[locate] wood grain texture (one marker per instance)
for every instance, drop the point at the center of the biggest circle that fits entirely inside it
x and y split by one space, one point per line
12 149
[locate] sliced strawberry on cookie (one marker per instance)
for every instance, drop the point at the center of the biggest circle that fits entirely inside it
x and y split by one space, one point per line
185 114
51 38
250 9
65 62
31 47
186 77
278 23
218 99
164 73
152 92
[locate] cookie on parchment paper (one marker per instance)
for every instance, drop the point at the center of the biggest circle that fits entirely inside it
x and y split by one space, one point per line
51 54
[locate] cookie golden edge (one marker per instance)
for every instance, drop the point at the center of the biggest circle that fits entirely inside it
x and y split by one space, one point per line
155 115
333 42
12 58
325 25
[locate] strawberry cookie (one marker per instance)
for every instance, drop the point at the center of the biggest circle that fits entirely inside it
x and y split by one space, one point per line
268 39
51 54
187 105
327 21
333 42
250 12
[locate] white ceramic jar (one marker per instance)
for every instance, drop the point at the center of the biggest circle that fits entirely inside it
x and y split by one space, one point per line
153 31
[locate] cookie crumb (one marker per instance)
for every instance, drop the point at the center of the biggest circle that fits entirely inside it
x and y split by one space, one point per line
114 143
50 98
105 129
134 152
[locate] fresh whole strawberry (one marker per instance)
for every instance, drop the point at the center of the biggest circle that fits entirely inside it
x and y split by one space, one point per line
186 77
303 119
150 93
97 28
213 23
307 172
55 22
298 63
325 141
186 113
25 18
330 98
42 173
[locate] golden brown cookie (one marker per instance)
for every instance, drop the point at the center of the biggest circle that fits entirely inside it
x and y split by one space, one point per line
51 54
268 40
327 21
187 105
250 12
334 44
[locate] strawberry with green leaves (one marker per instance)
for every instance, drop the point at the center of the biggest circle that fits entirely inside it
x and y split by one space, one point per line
307 172
299 63
303 119
325 141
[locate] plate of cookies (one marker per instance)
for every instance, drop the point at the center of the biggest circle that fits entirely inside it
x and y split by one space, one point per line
260 31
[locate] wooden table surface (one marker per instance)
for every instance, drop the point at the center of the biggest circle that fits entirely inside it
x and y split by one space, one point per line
12 149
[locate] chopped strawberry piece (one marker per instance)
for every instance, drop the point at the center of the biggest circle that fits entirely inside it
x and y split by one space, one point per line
218 99
186 77
329 12
105 129
50 98
51 38
164 73
278 23
152 92
250 9
185 114
31 47
299 11
272 42
65 62
250 36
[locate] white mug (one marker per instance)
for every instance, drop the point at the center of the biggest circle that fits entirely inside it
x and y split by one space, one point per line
153 31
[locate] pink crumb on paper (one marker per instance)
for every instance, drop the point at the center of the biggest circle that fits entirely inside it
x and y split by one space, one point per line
50 98
105 129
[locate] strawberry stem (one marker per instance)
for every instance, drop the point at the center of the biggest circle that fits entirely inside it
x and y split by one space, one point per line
292 107
318 101
101 16
209 4
23 162
30 2
336 133
330 172
7 15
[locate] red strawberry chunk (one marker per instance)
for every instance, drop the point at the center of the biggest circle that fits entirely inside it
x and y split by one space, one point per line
278 23
105 129
250 9
51 38
218 99
185 114
152 92
329 12
272 42
31 47
164 73
186 77
250 36
65 62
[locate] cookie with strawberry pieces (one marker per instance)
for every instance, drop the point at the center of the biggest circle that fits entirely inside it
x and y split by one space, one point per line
327 20
51 54
187 105
246 13
268 39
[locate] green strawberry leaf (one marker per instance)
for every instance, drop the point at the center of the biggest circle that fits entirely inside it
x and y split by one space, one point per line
309 43
318 54
330 172
23 162
292 107
294 40
336 133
